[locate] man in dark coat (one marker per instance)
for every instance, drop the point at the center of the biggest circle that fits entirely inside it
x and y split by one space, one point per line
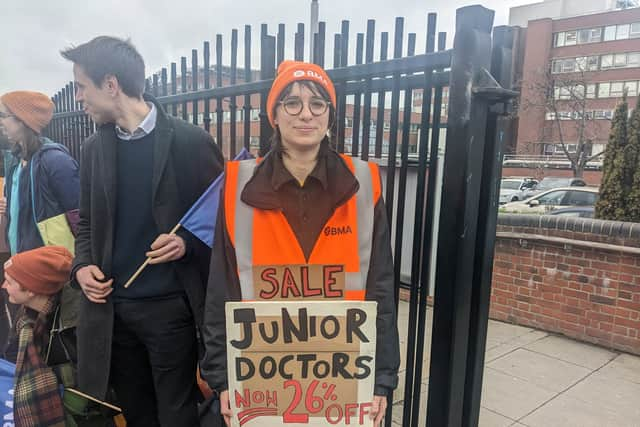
140 173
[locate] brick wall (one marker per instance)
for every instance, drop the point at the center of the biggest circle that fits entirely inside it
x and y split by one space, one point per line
591 177
574 276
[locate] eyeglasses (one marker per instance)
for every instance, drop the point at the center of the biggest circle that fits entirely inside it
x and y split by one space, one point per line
293 106
5 115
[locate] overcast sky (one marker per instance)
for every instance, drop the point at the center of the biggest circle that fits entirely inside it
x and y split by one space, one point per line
32 32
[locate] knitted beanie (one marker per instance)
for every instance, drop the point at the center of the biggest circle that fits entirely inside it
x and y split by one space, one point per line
43 271
292 71
34 109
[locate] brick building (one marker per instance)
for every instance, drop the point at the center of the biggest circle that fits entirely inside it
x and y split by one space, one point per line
584 62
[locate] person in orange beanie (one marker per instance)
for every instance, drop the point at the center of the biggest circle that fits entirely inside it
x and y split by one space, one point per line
42 183
303 206
41 165
34 280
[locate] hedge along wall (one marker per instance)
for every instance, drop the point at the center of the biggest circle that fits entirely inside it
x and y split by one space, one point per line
573 276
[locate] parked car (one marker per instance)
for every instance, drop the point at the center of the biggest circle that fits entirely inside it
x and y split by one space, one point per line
514 189
554 199
551 182
575 211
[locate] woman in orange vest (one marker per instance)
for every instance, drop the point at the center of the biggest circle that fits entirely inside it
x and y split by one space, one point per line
303 209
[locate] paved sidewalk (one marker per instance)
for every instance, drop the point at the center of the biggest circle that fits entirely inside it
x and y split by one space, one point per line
537 379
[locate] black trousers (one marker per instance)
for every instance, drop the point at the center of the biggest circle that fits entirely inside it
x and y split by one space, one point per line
153 362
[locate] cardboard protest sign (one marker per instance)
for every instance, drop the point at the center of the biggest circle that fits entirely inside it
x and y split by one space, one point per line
303 363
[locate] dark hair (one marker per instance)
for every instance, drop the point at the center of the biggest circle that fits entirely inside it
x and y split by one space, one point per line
29 144
107 55
316 89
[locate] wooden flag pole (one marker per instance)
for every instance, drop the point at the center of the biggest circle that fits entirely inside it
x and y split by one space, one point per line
93 399
144 264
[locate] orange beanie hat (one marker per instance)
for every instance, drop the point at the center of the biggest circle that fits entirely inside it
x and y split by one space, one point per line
292 71
43 271
34 109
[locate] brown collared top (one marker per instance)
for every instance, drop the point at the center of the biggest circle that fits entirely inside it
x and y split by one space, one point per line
306 207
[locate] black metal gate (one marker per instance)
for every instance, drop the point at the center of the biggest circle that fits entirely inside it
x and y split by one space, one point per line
403 134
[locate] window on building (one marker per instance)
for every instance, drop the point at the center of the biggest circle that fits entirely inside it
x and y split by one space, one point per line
603 114
568 66
622 32
584 36
255 115
591 91
633 59
556 66
348 123
592 63
581 63
565 93
570 38
596 35
559 39
606 62
610 33
631 88
603 90
620 60
616 89
634 31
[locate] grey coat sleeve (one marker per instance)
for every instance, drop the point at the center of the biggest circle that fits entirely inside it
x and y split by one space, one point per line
83 238
380 288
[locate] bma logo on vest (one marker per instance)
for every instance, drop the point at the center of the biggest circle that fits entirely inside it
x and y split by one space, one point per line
337 231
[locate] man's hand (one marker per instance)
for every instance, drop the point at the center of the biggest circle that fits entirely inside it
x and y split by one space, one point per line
91 280
378 409
167 247
225 407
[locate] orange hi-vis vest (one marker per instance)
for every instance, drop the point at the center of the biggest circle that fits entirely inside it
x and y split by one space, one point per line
271 263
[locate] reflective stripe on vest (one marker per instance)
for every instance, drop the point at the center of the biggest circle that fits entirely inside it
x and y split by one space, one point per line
264 238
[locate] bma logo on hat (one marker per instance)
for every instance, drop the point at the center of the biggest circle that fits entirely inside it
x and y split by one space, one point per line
298 73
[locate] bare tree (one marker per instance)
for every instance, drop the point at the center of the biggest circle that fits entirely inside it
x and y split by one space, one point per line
570 121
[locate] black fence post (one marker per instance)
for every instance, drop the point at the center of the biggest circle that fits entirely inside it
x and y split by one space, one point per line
467 121
247 78
183 85
487 220
415 340
206 114
194 85
219 99
233 106
174 87
267 71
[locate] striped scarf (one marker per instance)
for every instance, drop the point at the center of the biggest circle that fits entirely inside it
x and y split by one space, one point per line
37 399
